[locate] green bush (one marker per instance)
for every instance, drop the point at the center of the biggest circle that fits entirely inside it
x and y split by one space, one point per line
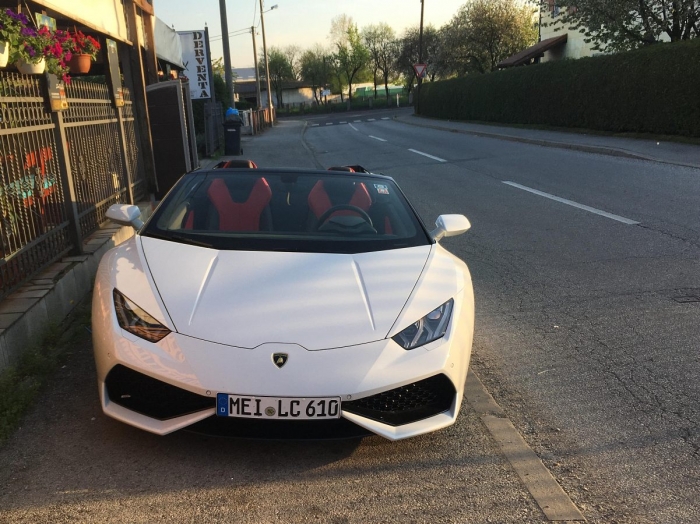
651 90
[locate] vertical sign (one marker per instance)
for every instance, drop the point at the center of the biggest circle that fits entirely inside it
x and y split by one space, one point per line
194 58
115 78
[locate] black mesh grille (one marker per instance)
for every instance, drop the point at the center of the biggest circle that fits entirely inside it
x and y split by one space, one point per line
406 404
151 397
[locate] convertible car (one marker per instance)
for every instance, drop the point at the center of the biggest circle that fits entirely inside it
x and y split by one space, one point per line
284 298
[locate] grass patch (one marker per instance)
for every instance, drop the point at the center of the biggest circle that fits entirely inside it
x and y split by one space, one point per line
21 384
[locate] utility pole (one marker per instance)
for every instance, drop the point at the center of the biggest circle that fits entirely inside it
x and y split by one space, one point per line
227 54
420 56
267 65
257 70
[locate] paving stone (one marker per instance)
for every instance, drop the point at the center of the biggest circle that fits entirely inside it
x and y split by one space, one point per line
79 258
18 305
7 319
38 293
37 287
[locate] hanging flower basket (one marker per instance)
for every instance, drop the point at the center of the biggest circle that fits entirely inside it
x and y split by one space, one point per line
80 64
4 53
31 68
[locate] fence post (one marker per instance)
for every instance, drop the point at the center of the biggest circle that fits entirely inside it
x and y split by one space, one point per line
124 155
69 196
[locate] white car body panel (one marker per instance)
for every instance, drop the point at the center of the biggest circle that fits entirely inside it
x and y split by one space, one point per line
316 300
333 315
208 368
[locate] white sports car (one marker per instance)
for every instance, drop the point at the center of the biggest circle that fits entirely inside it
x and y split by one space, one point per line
283 299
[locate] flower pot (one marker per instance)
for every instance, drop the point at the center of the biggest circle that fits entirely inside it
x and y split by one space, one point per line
4 53
29 68
80 64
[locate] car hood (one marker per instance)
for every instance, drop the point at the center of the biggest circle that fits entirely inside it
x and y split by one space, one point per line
316 300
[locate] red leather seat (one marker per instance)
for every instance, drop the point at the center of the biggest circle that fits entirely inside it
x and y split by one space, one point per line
246 210
325 195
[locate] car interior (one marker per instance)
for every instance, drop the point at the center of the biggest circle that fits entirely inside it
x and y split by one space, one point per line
228 201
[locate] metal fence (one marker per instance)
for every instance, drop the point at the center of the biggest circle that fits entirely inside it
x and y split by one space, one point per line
259 120
59 172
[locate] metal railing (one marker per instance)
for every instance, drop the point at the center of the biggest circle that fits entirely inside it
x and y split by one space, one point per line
59 172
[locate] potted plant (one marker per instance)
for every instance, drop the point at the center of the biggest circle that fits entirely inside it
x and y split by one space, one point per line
59 54
29 54
85 52
10 26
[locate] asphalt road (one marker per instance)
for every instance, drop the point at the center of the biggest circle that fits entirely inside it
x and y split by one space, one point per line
586 335
586 317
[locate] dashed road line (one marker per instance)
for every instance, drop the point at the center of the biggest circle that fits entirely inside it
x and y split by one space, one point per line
371 119
426 154
605 214
377 138
314 125
386 118
329 123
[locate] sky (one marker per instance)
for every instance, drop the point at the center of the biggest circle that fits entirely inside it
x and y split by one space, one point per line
300 22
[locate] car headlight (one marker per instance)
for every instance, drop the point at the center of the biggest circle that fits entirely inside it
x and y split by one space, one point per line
431 327
135 320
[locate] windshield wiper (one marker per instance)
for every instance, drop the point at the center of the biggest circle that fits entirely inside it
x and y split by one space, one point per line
179 238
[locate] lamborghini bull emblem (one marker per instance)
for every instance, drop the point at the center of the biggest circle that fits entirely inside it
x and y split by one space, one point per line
280 359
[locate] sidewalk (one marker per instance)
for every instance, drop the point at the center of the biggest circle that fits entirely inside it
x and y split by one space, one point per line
279 146
687 155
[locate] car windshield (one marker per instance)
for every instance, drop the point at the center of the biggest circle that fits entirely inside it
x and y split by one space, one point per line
321 212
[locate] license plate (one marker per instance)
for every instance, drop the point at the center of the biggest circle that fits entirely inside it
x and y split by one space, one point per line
283 408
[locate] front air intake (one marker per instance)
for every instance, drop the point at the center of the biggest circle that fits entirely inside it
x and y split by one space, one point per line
153 398
406 404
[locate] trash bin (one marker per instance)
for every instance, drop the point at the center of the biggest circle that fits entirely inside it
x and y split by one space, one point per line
232 135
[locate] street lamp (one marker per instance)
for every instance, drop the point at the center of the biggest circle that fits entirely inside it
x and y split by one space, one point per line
267 65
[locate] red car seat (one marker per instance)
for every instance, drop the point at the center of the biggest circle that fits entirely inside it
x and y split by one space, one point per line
234 204
326 194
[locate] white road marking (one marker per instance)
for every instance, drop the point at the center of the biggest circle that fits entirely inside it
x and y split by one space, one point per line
386 118
426 154
377 138
356 121
329 123
353 127
314 125
371 119
574 204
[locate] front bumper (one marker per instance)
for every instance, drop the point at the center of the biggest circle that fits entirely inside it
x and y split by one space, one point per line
383 388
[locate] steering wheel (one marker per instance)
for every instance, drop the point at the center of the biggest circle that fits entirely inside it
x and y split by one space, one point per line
344 207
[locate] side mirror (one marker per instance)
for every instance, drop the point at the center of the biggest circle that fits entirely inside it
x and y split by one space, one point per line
125 215
449 226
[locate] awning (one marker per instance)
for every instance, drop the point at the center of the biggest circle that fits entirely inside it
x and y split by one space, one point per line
537 50
168 46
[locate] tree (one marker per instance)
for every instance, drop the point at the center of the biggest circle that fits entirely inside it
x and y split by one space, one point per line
281 71
379 40
351 57
293 52
314 68
484 32
621 25
406 53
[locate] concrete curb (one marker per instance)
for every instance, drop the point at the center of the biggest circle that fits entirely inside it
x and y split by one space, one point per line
53 294
600 150
544 488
